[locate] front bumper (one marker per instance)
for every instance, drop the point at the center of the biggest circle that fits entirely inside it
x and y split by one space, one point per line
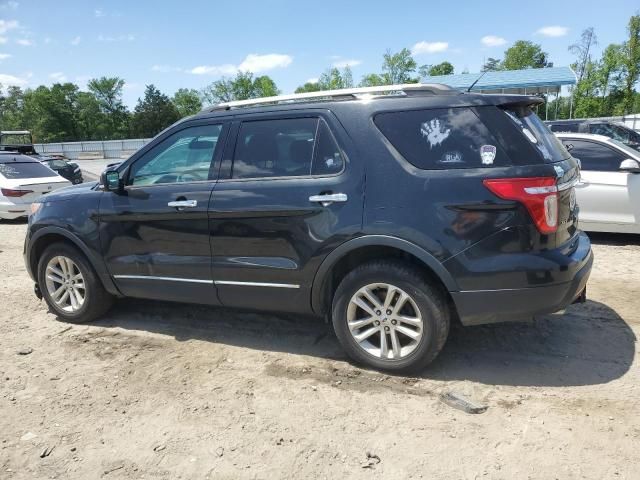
490 306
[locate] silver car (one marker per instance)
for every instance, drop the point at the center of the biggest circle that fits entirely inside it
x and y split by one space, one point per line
609 189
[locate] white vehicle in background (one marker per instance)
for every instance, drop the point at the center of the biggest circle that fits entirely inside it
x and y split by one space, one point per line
22 181
608 193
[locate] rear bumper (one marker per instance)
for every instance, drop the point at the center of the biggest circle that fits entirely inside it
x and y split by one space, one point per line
490 306
9 211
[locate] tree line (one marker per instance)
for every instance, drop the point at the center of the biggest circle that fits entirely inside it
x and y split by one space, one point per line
63 112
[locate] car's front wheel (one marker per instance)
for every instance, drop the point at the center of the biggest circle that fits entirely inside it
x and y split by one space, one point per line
70 286
388 316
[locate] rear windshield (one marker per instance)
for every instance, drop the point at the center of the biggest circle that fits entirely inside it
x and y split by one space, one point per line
442 138
25 170
538 134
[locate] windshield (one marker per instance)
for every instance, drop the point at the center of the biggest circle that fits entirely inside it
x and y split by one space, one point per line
15 139
537 133
25 170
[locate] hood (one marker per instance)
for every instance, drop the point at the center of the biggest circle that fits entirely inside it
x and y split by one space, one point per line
71 192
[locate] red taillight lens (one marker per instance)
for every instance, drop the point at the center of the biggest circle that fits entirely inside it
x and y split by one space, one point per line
9 192
539 195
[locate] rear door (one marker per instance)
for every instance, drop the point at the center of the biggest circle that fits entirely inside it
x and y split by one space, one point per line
603 191
290 190
155 235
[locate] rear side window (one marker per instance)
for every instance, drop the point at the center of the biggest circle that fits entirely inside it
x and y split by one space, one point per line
538 134
25 170
442 138
291 147
595 156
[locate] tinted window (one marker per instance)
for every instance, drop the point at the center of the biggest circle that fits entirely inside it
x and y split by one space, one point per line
59 164
275 148
595 156
185 156
563 127
25 170
328 158
441 138
538 134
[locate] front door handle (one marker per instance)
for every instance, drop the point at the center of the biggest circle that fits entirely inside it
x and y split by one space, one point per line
181 204
327 199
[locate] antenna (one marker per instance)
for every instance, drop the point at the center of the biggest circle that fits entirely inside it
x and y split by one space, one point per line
476 81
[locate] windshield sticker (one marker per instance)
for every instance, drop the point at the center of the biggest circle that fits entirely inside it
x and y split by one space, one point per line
451 157
487 154
435 132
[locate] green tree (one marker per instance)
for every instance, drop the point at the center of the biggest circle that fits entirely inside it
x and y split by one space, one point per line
444 68
372 80
524 54
631 62
187 101
491 65
11 108
114 122
398 67
153 113
331 79
610 79
582 50
242 87
309 87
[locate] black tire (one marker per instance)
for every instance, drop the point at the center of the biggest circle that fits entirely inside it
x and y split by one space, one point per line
97 300
428 298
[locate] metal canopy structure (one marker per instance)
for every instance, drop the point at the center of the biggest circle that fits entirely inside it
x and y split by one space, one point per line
531 81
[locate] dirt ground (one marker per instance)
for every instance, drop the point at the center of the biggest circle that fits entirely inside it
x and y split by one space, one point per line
172 391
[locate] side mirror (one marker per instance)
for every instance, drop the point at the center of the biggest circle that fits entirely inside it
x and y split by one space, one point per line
568 146
110 180
630 165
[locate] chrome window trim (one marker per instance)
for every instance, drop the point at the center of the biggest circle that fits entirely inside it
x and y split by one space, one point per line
168 279
256 284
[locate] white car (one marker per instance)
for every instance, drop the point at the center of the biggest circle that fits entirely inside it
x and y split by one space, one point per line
22 181
608 193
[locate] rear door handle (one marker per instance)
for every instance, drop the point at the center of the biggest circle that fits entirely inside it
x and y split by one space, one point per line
327 199
180 204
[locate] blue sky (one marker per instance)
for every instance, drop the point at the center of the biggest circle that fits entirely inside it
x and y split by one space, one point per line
192 43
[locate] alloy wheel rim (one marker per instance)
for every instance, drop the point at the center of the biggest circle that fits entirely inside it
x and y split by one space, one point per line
65 284
385 321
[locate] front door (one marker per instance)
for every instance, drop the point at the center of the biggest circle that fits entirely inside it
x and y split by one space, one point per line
603 193
290 190
155 235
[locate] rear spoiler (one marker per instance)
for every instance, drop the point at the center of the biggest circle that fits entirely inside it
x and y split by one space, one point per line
515 100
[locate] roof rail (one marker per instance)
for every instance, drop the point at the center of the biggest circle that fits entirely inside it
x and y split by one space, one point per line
406 89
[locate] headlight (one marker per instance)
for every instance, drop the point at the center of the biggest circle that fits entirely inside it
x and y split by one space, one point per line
35 206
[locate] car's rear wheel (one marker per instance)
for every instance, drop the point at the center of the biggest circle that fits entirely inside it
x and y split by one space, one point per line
388 316
70 286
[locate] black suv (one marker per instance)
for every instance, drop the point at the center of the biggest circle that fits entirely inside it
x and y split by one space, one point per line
615 130
392 215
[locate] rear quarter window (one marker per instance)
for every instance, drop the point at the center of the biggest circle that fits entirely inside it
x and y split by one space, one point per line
442 138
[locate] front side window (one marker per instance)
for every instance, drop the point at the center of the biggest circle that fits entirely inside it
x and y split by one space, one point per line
595 156
57 164
441 138
182 157
289 147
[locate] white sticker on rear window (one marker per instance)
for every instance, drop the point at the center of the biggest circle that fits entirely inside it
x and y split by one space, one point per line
488 154
451 157
435 132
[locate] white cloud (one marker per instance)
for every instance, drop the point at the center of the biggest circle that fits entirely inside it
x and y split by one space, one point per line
76 41
58 77
25 42
129 37
3 40
429 47
4 56
98 12
346 63
252 63
47 40
492 41
6 25
165 68
11 80
312 80
553 31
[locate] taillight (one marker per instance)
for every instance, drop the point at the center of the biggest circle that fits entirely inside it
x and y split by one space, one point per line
9 192
538 194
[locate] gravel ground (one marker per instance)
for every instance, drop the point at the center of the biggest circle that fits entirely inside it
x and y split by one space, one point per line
173 391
